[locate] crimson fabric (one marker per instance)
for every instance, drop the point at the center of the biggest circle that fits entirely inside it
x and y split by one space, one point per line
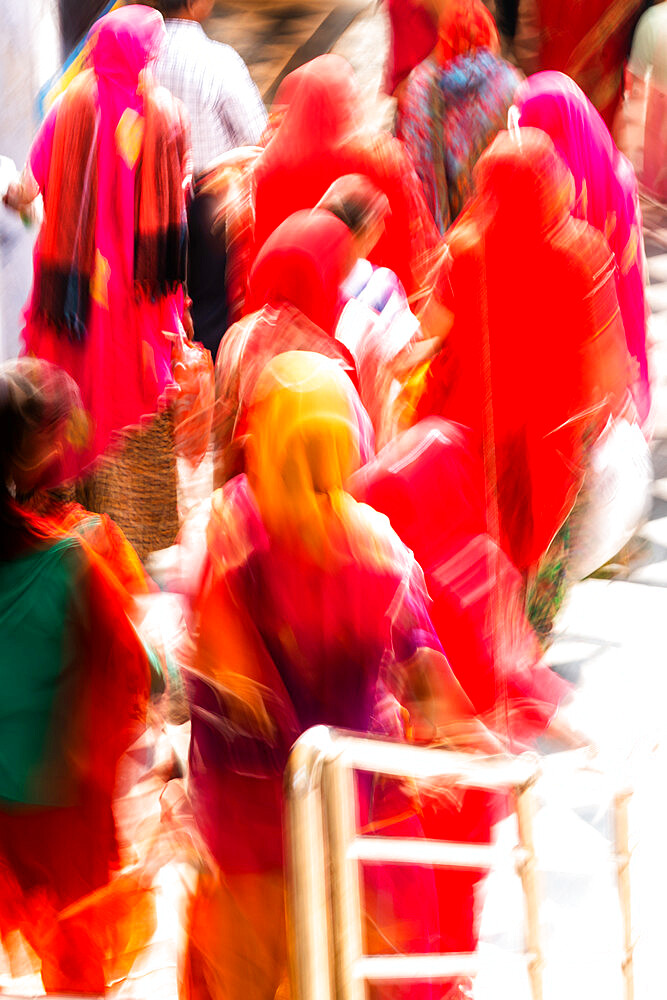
464 27
589 40
535 361
429 482
413 33
606 196
303 263
320 139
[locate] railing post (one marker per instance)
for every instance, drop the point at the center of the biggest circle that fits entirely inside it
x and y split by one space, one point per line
527 868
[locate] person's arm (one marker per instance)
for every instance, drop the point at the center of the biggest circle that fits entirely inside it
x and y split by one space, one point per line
440 711
22 192
422 680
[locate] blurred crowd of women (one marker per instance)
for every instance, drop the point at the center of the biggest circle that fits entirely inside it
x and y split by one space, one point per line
429 416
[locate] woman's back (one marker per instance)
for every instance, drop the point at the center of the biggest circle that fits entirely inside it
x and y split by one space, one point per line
40 602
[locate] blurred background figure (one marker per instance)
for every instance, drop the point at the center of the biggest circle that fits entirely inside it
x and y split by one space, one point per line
588 40
111 160
226 111
293 302
322 136
537 382
67 716
641 131
605 196
29 55
453 104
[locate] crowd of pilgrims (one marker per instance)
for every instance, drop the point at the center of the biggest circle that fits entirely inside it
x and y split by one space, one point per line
430 345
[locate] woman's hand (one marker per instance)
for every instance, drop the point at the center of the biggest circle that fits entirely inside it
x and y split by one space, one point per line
440 712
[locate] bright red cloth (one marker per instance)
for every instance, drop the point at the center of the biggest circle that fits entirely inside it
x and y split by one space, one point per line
303 263
589 40
319 139
464 27
536 360
429 483
413 33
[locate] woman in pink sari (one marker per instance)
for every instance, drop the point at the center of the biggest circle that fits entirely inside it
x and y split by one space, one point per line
111 159
605 196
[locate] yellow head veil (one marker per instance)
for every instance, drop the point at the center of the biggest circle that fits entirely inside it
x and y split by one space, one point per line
303 444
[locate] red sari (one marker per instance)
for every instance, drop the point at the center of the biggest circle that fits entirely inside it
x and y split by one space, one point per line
294 297
321 138
535 362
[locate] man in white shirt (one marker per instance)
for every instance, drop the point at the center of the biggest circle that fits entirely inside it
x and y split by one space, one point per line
225 111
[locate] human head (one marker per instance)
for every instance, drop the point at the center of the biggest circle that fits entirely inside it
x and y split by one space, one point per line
523 183
184 10
303 444
40 418
322 106
553 102
464 26
303 262
124 42
361 206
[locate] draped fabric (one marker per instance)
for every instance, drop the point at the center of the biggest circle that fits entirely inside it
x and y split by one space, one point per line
65 723
589 40
536 361
605 196
465 27
321 137
310 606
247 348
111 158
304 262
450 112
429 482
413 33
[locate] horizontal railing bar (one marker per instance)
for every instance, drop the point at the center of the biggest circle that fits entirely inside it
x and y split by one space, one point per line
441 853
414 968
406 760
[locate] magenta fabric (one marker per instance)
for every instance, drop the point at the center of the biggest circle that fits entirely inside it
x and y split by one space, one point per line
123 367
606 196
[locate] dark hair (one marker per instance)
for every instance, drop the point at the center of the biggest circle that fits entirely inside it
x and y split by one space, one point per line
168 7
355 201
34 397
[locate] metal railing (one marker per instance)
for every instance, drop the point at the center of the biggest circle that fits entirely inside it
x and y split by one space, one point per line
325 849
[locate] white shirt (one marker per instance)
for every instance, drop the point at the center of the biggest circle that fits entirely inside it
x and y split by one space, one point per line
215 86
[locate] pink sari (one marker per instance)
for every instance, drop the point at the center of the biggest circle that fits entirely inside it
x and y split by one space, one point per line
123 364
606 197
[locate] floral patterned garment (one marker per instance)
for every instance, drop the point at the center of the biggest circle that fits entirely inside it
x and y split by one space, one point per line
449 116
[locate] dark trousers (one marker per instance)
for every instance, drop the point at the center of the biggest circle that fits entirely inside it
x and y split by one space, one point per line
207 260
